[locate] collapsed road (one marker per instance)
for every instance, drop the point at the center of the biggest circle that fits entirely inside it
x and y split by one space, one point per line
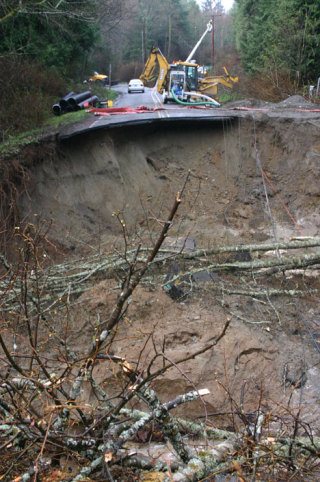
108 162
154 112
151 110
241 260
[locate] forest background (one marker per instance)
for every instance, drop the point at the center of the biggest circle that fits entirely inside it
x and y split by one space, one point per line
48 46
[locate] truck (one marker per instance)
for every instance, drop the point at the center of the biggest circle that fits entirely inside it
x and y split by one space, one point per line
99 78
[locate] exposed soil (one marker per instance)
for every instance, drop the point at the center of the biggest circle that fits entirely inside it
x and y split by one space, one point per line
255 179
91 177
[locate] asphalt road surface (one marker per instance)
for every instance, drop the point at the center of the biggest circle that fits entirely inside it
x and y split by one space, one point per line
150 98
158 112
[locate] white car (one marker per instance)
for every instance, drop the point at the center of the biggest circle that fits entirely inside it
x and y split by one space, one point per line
135 85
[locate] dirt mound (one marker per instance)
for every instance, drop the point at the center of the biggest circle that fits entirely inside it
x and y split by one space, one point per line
254 103
295 102
292 102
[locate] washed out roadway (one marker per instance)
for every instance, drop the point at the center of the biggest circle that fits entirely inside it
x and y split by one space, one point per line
150 99
173 113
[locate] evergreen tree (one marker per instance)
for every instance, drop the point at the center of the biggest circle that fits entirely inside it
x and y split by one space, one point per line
168 25
281 35
56 39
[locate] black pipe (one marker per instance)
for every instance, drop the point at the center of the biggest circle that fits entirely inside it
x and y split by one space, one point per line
85 103
56 108
63 105
64 101
74 100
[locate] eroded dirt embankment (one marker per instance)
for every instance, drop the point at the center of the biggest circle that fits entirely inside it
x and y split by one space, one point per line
234 165
251 180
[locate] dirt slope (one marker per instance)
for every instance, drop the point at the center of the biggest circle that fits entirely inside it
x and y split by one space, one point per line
254 179
233 165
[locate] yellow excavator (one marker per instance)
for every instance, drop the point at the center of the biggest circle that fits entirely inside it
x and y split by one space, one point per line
178 77
209 84
179 81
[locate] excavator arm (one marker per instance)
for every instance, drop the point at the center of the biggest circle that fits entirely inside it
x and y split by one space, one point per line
209 85
156 67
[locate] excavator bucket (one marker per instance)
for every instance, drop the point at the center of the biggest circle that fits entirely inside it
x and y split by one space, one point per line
234 80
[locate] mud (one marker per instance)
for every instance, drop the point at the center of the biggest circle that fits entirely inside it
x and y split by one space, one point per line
233 166
254 179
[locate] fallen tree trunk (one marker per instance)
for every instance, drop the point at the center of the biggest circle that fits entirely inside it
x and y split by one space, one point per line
281 264
72 279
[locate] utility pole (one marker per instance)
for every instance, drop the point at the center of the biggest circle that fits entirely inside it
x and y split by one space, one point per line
143 41
212 41
215 12
169 36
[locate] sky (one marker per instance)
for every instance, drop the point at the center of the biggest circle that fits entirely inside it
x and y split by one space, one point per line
226 3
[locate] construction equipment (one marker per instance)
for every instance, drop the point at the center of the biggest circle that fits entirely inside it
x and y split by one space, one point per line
180 80
96 77
181 77
209 84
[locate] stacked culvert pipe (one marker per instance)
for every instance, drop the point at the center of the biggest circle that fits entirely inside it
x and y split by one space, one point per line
72 102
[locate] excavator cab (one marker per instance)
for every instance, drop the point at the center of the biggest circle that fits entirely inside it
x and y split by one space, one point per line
177 84
191 77
183 77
